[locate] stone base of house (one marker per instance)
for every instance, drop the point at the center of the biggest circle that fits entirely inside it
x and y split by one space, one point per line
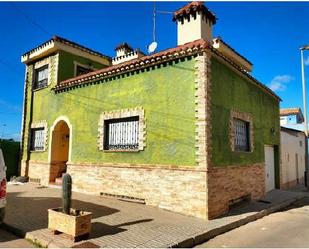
178 189
227 185
293 183
189 191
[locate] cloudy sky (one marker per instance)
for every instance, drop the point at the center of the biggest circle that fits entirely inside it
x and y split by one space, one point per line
268 34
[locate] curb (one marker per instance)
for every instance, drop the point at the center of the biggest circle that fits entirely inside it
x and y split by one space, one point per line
200 238
16 231
192 240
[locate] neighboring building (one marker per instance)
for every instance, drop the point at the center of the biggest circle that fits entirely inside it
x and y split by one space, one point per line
291 116
292 157
187 129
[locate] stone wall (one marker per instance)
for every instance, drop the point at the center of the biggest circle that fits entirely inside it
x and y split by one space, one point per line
39 171
226 184
181 190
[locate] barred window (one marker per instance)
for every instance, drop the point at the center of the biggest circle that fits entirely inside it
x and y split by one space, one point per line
242 135
41 77
122 133
37 139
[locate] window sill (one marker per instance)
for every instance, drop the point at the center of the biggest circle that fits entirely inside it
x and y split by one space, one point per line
40 88
37 151
240 151
112 151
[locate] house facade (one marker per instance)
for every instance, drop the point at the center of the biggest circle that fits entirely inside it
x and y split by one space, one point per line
186 129
292 157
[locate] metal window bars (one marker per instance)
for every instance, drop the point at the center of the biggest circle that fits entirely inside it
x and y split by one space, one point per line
38 139
122 134
241 140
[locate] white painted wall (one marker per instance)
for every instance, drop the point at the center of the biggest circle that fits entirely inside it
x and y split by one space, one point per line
194 29
292 147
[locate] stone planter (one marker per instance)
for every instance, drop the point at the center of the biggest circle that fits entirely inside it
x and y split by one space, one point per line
77 224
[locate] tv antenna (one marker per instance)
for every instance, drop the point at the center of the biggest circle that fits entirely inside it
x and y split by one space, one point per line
153 46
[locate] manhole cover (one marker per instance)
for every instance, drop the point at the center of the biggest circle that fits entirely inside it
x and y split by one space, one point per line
86 245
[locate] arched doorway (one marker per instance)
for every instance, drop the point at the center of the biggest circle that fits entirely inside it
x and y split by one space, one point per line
59 154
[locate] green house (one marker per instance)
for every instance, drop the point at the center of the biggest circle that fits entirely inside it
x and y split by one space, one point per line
186 129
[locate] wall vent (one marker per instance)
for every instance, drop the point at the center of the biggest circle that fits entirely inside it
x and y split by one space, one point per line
123 198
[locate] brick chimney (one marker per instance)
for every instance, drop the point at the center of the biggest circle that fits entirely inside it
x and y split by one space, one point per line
194 21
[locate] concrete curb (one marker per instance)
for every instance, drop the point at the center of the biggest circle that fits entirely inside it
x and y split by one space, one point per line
200 238
14 230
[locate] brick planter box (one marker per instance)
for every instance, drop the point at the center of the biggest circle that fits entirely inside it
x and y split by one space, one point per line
77 224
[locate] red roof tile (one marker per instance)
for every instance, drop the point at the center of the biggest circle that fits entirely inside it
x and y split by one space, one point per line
193 7
153 59
191 48
70 43
290 111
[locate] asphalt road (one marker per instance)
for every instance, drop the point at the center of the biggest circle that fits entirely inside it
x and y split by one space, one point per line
8 240
288 228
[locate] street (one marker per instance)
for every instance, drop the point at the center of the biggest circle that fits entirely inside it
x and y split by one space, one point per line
288 228
8 240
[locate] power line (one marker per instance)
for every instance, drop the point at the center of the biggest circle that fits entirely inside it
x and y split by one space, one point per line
34 23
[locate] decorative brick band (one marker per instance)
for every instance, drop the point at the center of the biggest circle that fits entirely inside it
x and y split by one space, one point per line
202 110
245 117
41 124
124 113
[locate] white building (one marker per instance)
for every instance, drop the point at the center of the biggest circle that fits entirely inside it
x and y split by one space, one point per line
292 161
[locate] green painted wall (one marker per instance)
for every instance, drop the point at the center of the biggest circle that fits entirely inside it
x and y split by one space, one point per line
166 94
231 91
66 64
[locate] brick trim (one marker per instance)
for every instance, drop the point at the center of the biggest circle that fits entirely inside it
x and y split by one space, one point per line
245 117
41 124
124 113
203 110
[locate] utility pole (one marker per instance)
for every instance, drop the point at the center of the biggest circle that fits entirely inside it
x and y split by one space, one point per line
305 111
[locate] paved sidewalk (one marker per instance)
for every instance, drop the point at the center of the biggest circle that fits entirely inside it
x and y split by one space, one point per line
8 240
118 223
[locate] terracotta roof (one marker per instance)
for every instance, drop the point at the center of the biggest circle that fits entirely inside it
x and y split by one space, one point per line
290 111
124 46
193 7
220 39
150 60
67 42
290 129
188 49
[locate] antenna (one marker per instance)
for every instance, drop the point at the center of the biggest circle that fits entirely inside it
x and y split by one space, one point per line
153 46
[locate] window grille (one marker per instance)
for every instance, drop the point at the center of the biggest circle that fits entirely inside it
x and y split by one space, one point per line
242 131
122 134
37 139
41 77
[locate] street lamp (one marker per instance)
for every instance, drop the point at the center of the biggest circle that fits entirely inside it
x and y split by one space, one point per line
306 47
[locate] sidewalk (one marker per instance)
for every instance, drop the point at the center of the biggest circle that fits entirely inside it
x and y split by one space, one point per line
118 223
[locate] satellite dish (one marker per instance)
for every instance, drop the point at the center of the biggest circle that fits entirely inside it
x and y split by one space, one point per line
152 47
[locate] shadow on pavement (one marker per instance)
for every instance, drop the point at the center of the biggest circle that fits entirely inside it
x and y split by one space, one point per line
30 213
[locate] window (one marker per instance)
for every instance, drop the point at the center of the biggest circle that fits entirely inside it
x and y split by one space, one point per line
122 133
242 135
37 139
300 143
41 77
82 70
